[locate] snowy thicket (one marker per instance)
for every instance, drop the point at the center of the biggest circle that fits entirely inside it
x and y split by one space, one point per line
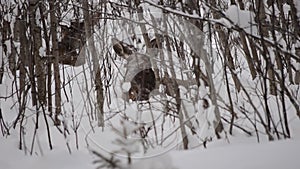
223 70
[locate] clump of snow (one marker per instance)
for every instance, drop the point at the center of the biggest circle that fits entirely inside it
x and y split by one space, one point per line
42 51
126 86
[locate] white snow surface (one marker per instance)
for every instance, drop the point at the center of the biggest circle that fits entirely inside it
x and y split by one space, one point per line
239 154
275 155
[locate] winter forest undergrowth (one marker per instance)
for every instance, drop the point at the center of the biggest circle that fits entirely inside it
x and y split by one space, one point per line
155 84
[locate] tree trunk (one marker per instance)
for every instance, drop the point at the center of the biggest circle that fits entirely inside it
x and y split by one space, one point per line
37 44
96 66
55 52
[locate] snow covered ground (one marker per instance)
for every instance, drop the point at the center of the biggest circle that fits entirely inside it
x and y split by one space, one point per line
234 153
273 155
